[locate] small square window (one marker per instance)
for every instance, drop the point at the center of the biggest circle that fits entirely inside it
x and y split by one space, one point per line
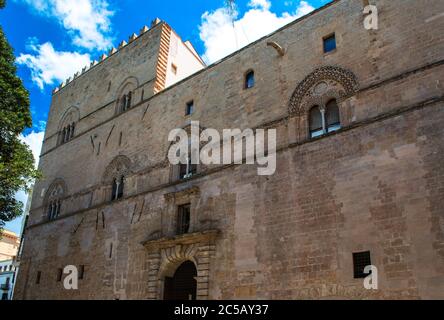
360 261
190 108
330 43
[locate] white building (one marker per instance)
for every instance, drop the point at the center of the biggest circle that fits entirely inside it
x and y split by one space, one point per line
7 279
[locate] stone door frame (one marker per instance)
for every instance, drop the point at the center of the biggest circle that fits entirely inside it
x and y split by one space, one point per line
165 255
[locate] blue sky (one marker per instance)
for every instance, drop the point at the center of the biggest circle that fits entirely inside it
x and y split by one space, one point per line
53 39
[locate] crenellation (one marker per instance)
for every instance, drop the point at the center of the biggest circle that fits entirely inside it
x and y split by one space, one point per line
132 37
122 44
104 56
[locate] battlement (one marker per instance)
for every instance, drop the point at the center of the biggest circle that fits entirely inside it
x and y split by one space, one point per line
105 56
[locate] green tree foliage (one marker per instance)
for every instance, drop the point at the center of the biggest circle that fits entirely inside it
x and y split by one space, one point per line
16 160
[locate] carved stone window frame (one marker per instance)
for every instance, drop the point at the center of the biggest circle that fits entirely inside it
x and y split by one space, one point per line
128 86
120 166
55 194
176 199
67 125
317 89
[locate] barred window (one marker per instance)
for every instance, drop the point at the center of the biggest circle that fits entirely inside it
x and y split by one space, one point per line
183 219
360 261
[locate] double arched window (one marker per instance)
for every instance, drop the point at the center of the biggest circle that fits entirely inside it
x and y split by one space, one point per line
53 199
115 177
324 119
54 209
67 126
67 133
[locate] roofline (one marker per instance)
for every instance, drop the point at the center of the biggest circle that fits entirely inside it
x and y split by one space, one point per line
108 55
308 15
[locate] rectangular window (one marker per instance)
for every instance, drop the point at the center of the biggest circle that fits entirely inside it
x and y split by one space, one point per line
360 261
183 219
59 275
81 272
330 43
190 108
39 275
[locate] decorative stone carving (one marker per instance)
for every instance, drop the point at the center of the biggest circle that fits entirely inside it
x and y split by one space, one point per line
72 115
120 166
130 84
321 85
167 254
56 190
182 193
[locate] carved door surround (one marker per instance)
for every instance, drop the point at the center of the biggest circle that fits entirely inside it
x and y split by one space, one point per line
167 254
167 251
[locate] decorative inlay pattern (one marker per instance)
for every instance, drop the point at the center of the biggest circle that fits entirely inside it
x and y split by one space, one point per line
324 83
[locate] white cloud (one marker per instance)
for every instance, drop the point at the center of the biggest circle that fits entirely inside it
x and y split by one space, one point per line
48 65
87 20
264 4
220 39
34 140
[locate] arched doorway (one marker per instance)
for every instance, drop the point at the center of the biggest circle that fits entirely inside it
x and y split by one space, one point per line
183 285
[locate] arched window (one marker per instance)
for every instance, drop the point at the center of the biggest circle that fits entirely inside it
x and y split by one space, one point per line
324 120
114 190
117 189
333 122
121 187
130 97
73 126
249 79
316 126
67 125
114 177
68 133
63 135
53 200
125 101
54 209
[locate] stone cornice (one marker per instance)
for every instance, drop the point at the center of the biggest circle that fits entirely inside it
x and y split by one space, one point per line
181 193
205 236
